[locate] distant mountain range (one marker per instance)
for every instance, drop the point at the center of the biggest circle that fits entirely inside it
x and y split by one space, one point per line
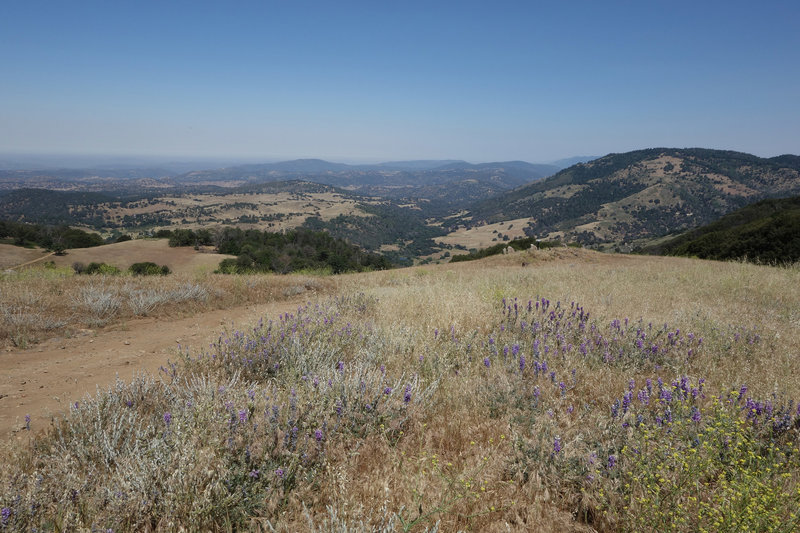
620 201
449 185
640 195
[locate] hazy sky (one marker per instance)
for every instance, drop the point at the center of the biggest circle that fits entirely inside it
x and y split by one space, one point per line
378 80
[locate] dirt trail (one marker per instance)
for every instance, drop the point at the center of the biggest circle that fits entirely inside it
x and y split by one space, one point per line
29 263
48 377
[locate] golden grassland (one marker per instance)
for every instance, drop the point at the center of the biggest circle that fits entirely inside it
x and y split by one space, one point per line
11 255
480 442
486 235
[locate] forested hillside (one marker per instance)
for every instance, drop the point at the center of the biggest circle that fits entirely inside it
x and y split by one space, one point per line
767 231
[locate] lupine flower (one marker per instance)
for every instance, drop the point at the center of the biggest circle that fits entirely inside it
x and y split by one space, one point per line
407 394
254 474
521 363
387 391
279 472
242 416
5 514
612 461
340 366
167 418
486 362
318 435
557 445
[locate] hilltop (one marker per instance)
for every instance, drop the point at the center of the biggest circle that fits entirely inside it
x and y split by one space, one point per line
635 196
547 390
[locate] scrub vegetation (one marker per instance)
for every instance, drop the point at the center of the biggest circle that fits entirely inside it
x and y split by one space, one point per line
580 392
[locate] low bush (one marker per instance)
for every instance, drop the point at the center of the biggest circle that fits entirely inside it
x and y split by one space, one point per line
148 268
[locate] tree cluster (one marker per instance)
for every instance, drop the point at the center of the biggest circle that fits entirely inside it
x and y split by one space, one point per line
55 238
263 251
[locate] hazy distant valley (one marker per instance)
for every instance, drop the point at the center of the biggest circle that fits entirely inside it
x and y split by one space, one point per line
415 210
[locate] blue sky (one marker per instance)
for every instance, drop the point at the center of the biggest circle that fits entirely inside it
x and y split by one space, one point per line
352 81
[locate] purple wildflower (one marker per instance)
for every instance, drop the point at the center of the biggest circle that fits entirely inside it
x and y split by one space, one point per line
626 401
254 474
28 422
387 391
5 514
279 472
407 394
557 445
644 397
695 414
318 435
612 461
167 418
486 362
340 366
242 416
521 363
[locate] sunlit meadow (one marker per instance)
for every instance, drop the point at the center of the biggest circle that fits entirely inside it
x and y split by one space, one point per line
549 391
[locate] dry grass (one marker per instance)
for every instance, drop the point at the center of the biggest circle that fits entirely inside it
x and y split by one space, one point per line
11 256
473 446
487 235
181 260
40 303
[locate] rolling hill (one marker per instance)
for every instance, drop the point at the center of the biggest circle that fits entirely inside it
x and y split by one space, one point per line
637 196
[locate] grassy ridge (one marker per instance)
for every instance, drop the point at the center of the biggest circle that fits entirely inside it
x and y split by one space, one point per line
478 396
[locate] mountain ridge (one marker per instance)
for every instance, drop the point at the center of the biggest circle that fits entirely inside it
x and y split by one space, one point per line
643 194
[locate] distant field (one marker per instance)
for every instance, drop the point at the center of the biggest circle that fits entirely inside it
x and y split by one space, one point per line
272 211
183 260
485 236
